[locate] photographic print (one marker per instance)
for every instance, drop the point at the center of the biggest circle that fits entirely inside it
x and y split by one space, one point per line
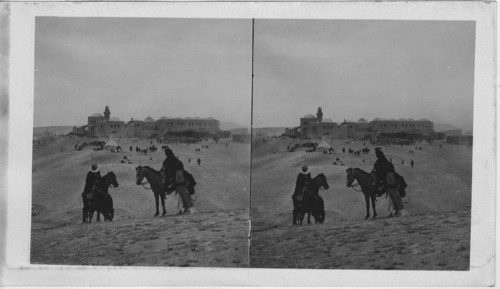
362 144
141 142
281 144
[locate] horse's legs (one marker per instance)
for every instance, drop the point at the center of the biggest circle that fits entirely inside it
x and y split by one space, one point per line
156 201
367 201
295 212
98 216
84 214
309 217
373 205
163 204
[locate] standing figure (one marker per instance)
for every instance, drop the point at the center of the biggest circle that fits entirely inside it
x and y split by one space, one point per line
185 203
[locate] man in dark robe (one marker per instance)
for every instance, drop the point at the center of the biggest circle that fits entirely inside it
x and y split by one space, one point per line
381 168
303 178
169 166
93 176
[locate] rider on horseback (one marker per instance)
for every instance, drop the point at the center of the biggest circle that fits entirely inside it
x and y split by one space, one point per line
381 168
303 178
386 180
169 167
93 176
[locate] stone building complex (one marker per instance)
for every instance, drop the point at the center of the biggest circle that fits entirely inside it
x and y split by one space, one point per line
312 126
104 125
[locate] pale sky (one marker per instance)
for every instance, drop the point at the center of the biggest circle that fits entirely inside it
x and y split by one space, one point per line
358 68
141 67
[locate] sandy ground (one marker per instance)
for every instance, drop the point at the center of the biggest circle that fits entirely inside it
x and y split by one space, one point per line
216 234
212 239
437 203
414 242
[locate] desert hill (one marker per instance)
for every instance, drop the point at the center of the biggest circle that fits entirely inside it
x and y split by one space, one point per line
268 131
439 127
59 176
229 125
53 130
439 183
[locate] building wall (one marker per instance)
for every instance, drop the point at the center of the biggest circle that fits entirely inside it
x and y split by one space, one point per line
134 128
308 121
96 125
392 126
149 125
183 124
317 129
150 133
312 127
116 128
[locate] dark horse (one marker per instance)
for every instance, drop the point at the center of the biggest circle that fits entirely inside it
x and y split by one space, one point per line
100 200
154 179
365 180
310 202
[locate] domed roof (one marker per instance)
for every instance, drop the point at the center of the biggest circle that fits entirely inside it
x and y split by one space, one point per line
411 119
97 115
165 117
362 120
401 119
423 119
114 119
149 119
309 116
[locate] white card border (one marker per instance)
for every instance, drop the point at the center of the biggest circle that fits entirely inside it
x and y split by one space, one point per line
16 269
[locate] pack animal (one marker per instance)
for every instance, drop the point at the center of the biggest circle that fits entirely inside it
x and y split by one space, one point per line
154 179
365 180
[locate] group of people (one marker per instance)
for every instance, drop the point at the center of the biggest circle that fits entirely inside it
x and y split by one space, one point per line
174 178
385 180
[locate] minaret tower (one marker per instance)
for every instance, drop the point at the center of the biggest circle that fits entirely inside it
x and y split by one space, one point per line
107 113
319 114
